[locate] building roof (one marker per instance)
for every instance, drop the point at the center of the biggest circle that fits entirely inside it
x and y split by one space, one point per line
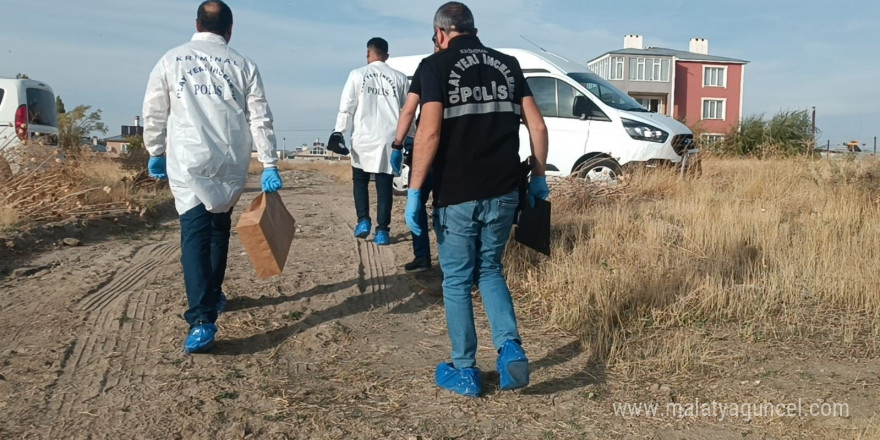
120 138
680 54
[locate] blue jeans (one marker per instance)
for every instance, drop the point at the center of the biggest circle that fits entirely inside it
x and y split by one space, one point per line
204 243
422 243
361 180
471 238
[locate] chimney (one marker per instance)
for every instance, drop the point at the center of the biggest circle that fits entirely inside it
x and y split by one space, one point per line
633 42
137 121
700 46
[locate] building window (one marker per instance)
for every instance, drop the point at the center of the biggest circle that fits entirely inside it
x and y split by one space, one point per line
713 108
609 68
649 69
711 139
656 104
602 68
617 68
714 76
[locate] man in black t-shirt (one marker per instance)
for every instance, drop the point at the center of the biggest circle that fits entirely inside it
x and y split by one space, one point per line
473 100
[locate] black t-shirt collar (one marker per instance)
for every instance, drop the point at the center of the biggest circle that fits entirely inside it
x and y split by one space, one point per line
466 40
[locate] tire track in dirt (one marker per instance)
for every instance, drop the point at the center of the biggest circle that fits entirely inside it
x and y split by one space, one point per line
382 285
373 262
110 348
152 256
371 270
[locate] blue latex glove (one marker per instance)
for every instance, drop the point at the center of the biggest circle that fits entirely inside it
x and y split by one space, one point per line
396 161
156 167
271 180
411 215
538 189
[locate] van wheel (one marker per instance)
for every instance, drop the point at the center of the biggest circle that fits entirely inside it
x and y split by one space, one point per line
599 169
399 184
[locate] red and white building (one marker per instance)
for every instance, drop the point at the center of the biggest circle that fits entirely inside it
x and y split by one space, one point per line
691 86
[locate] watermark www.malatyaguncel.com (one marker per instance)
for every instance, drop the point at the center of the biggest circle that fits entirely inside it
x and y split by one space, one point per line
722 410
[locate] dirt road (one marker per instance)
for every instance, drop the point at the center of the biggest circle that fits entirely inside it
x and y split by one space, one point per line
342 345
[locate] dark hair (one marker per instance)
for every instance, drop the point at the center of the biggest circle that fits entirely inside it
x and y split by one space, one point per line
455 16
378 45
215 20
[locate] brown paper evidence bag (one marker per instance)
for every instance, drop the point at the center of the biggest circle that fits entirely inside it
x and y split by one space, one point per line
266 230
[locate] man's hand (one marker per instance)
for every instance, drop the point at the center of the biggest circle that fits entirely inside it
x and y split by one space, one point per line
336 143
538 189
156 167
411 215
271 180
396 159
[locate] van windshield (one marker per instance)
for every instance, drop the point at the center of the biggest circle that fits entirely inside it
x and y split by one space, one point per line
606 92
41 107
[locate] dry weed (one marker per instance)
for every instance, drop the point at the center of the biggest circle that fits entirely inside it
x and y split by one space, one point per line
49 186
785 247
339 170
8 217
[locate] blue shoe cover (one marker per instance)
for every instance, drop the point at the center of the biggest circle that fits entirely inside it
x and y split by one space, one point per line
201 338
464 381
513 366
382 238
221 304
362 230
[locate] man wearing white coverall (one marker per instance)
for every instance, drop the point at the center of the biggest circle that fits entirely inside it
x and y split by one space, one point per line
204 111
370 105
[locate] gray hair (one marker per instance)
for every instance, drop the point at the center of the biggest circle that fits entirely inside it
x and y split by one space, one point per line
454 16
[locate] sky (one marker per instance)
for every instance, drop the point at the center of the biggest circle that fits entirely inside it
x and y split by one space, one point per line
802 54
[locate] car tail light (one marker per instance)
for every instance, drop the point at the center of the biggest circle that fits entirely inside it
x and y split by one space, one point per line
21 126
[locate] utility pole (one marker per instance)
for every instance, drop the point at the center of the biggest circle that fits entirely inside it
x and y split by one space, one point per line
813 145
875 145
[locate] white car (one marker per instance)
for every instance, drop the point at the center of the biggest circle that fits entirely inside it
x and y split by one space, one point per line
594 128
27 113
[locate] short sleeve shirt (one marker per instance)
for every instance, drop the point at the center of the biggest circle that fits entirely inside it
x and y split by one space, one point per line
415 86
481 90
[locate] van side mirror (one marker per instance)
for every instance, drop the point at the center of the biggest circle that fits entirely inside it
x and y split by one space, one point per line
580 107
586 109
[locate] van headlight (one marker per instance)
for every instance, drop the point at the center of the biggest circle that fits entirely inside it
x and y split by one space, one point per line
644 132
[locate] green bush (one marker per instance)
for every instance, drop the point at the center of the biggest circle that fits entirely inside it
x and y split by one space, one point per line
788 133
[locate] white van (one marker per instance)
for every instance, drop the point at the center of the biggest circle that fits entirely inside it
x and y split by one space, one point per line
27 113
594 127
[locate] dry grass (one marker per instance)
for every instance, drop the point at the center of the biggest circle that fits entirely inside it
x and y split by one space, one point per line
46 186
654 271
339 170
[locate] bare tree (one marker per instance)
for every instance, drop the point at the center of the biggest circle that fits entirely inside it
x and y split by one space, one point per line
78 123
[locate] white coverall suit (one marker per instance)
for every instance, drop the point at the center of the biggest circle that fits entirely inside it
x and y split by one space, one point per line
370 105
205 110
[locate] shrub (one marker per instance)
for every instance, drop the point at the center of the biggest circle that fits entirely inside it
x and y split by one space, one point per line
788 133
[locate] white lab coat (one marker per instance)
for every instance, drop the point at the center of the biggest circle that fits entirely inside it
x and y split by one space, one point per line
205 109
370 107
